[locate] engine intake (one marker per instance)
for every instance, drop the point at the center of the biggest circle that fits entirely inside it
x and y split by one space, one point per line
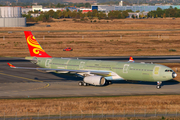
95 80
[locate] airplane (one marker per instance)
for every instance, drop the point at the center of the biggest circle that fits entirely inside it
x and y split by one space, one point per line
96 72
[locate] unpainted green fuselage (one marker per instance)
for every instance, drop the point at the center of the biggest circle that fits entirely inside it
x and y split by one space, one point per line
124 70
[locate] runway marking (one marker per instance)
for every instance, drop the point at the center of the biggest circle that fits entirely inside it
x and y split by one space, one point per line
21 77
47 85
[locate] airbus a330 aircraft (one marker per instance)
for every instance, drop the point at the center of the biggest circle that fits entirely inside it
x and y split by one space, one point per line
96 72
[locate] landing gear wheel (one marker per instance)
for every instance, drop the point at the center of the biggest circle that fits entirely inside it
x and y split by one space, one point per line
108 83
85 84
158 86
80 83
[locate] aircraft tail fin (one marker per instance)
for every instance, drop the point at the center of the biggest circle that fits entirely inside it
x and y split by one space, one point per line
131 59
35 48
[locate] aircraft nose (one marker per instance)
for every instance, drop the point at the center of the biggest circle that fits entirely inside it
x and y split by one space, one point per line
174 75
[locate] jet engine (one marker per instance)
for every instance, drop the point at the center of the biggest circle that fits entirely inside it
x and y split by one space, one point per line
95 80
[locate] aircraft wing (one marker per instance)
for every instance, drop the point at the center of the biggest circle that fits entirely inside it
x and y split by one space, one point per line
96 72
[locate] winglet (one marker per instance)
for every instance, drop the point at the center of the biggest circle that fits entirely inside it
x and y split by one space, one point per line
12 66
131 59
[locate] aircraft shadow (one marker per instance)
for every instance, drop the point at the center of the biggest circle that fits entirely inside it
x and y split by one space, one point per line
170 82
64 77
72 77
13 61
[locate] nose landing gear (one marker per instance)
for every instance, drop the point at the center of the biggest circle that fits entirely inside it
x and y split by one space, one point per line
158 84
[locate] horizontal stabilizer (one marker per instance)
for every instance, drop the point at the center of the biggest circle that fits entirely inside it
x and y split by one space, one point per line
12 66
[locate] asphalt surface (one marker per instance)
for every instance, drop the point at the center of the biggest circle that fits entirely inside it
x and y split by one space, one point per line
18 83
94 116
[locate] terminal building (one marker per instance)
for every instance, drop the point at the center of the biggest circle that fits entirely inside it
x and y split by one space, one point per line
11 17
141 8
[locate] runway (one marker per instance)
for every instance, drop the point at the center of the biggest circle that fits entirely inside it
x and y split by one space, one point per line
18 83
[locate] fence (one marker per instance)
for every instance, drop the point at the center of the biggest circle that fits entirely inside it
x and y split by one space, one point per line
93 114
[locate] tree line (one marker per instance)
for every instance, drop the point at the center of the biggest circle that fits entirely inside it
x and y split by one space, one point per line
47 16
170 12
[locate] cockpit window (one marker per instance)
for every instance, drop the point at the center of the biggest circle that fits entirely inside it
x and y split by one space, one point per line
168 71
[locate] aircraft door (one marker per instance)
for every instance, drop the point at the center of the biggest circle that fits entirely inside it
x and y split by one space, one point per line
81 65
156 70
47 63
125 68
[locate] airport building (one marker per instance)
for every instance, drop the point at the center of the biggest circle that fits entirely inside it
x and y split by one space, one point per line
107 8
11 17
142 9
41 9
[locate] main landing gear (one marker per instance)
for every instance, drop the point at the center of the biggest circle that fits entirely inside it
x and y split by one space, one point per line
108 82
81 83
158 84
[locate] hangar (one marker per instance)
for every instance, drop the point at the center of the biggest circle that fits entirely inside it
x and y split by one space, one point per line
11 17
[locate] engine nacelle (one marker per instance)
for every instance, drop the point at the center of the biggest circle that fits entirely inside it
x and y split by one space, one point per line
95 80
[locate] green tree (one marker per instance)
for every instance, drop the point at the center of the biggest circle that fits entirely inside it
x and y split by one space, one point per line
120 15
69 13
46 17
89 14
36 11
64 13
111 15
164 15
50 13
74 14
101 15
133 16
67 10
59 13
55 15
79 14
40 18
27 16
116 14
29 12
159 12
172 12
94 13
125 14
58 5
129 10
87 5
